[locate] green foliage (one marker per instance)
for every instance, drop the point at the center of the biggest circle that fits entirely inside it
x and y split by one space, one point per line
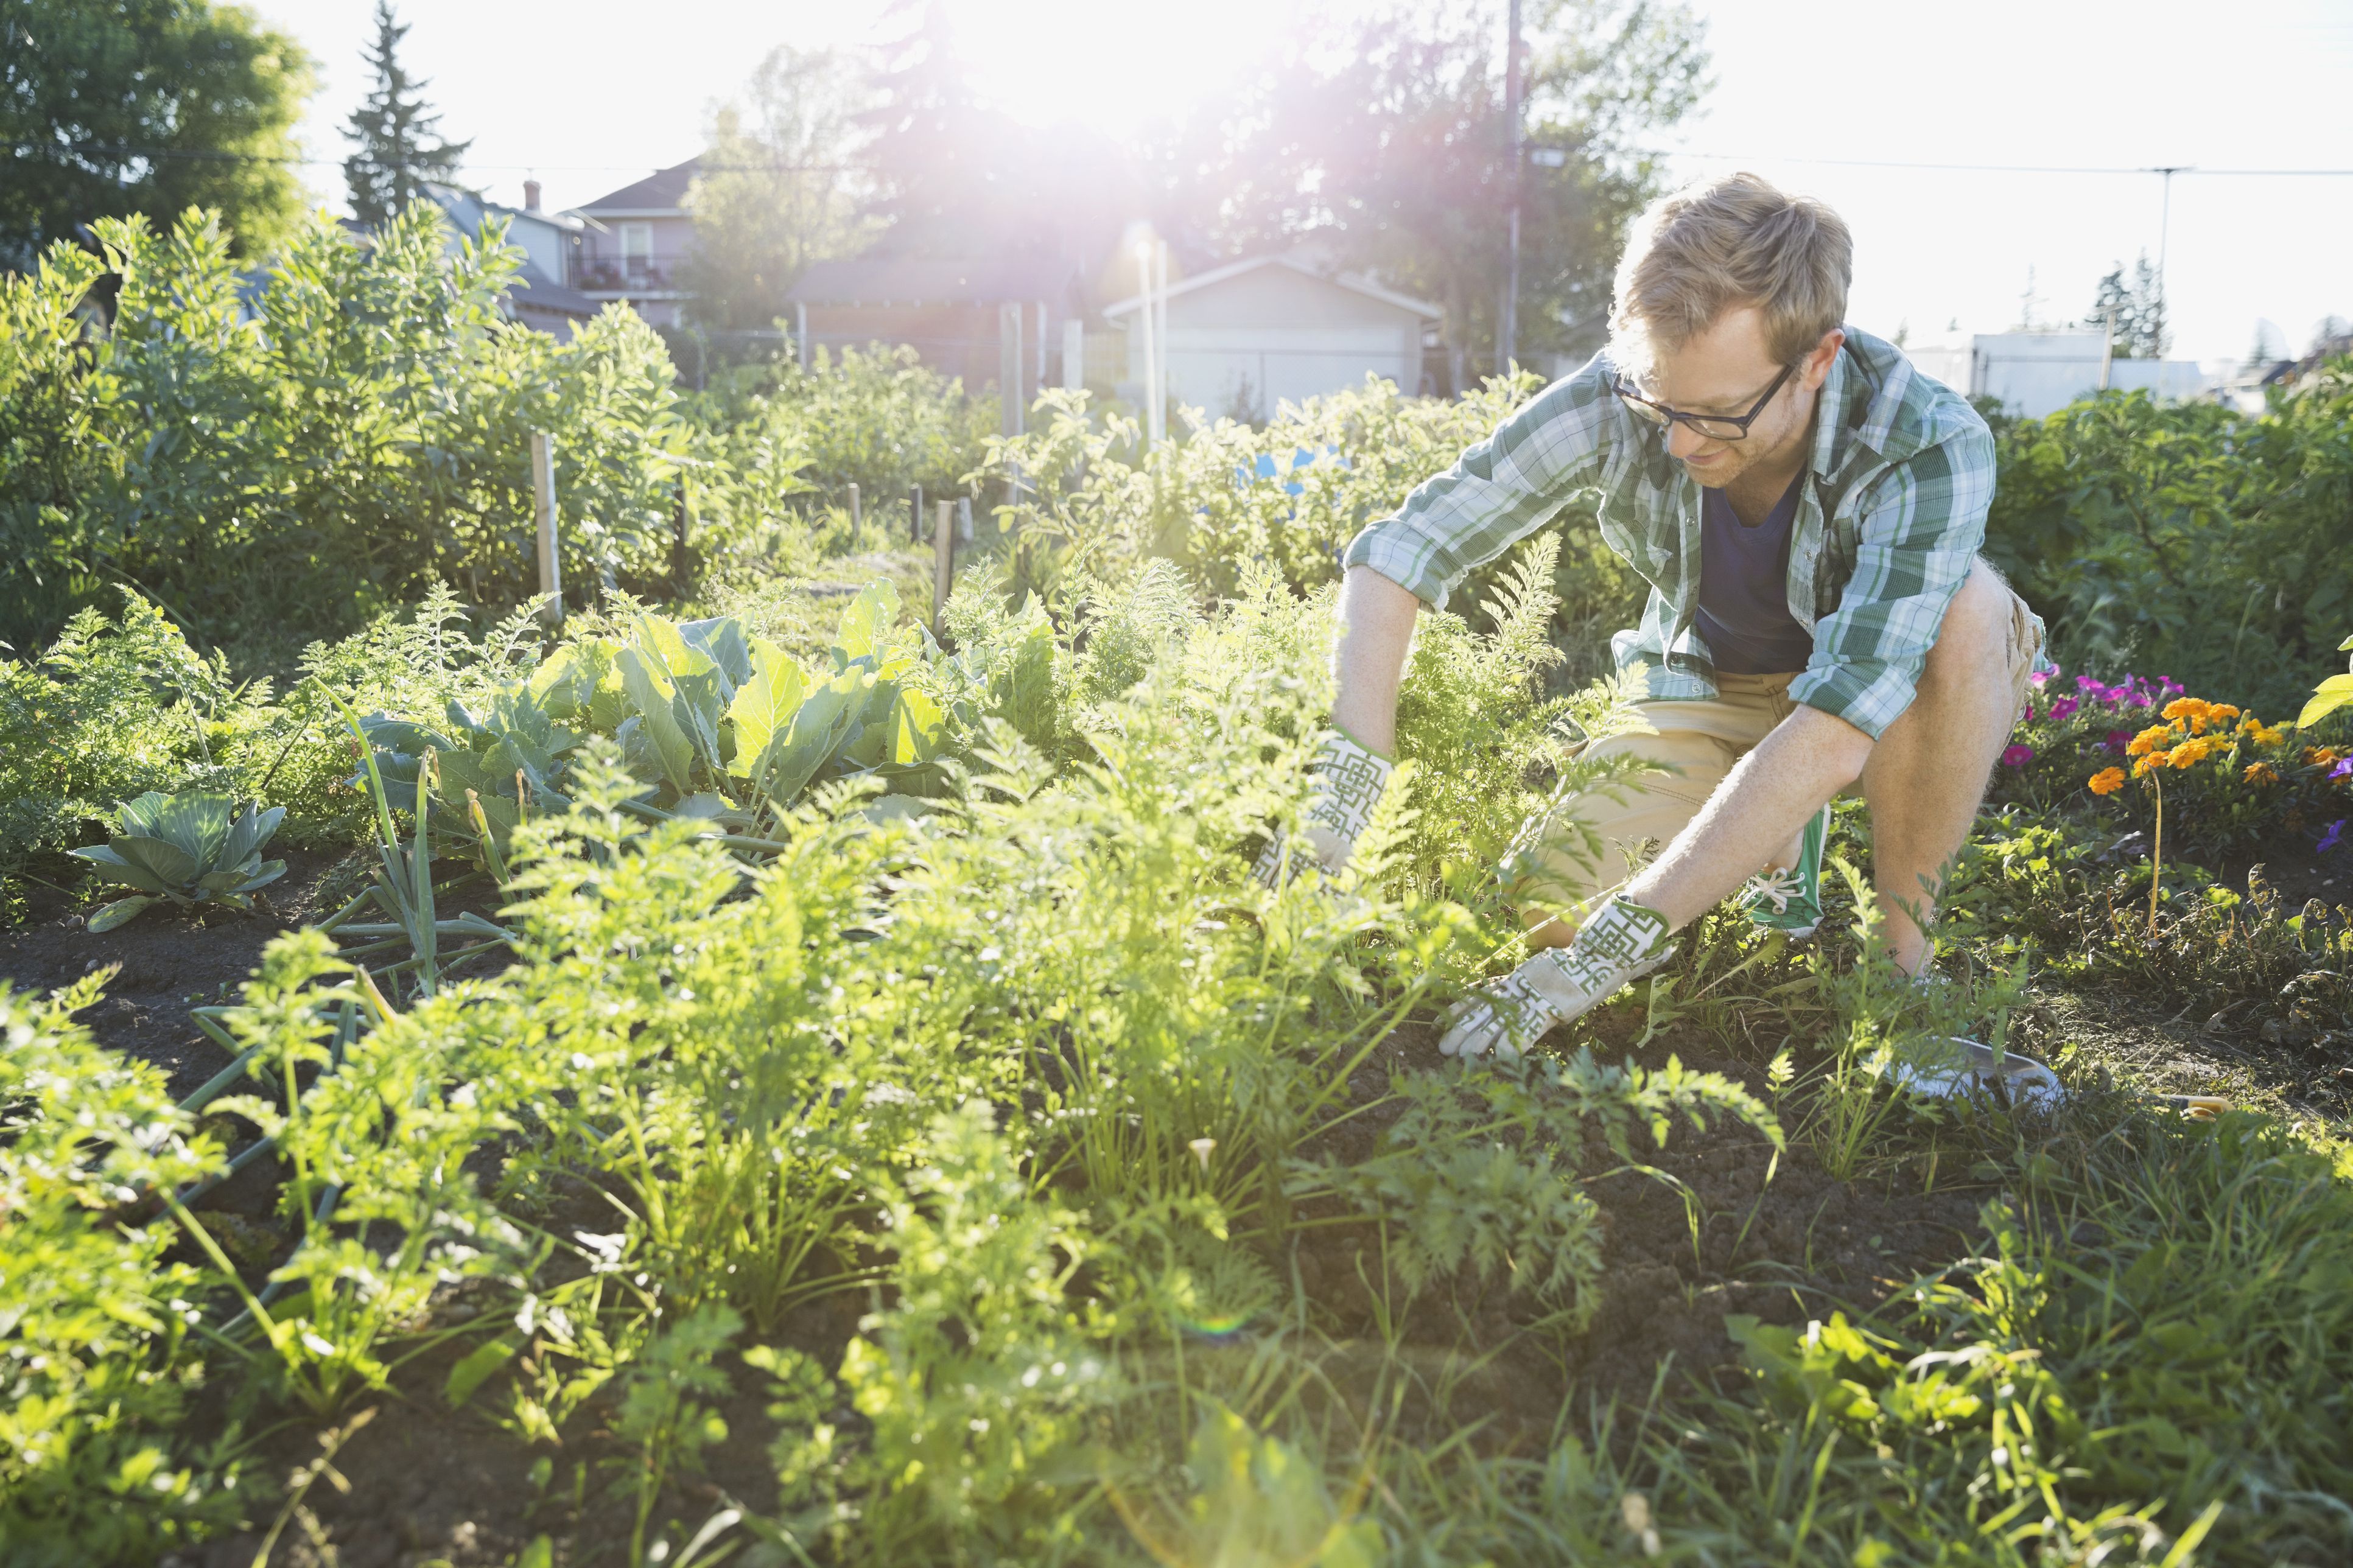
778 194
187 850
1093 505
93 1318
2331 694
2184 538
2143 1366
301 472
877 418
96 131
719 726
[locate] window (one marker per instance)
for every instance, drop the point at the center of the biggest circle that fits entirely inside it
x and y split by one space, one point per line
636 248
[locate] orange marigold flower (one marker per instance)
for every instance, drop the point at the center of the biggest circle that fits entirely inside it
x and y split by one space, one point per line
2321 756
2259 774
2154 760
2218 711
2268 734
2107 780
2149 740
2189 753
2186 707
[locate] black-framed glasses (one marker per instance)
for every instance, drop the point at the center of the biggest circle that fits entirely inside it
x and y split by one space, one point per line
1715 426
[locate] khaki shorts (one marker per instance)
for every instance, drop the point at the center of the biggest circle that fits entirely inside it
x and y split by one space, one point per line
1550 874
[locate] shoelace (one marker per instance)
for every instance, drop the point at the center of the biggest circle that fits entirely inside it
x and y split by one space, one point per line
1775 888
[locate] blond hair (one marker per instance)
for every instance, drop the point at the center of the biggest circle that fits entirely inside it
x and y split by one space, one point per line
1730 241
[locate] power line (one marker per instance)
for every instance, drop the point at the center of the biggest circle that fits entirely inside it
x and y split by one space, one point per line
2001 168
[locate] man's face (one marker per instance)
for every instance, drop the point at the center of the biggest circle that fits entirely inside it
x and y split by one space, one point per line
1725 370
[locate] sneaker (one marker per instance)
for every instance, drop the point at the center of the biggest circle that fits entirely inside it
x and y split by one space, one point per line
1790 900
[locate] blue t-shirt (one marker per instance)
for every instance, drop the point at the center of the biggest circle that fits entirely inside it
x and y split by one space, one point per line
1744 593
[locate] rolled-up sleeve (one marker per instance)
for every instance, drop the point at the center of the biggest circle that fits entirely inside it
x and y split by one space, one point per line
1920 530
1500 491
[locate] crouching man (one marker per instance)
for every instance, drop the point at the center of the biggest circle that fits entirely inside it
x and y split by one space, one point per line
1806 509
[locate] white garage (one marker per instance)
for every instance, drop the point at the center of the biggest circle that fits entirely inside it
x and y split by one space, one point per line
1245 337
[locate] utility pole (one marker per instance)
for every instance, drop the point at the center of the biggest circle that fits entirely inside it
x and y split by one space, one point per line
2164 230
1507 333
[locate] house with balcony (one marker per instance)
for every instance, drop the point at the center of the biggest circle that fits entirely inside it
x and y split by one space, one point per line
633 241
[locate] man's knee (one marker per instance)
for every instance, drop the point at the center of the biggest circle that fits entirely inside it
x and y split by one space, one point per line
1974 642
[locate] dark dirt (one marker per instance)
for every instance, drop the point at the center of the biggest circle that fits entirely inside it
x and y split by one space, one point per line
1798 1244
170 962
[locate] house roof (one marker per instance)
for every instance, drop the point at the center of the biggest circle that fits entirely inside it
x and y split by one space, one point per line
908 280
664 190
1355 282
534 290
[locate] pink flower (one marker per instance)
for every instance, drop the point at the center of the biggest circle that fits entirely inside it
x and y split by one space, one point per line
2089 683
2117 741
2017 756
2041 676
2062 708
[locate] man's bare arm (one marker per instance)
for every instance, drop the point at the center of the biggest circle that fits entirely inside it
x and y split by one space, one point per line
1376 620
1754 814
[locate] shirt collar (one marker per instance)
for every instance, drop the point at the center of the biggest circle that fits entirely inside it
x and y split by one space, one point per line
1831 417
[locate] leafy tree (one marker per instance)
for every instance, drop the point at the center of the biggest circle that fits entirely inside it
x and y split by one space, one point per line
2139 311
778 192
936 152
111 107
399 137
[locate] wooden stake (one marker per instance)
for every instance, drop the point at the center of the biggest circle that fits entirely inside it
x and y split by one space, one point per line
854 519
542 485
943 560
915 514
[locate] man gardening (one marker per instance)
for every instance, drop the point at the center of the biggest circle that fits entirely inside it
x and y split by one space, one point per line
1806 509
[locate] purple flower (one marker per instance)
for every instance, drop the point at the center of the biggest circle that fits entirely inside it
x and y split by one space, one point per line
2041 676
2117 741
2063 708
2091 684
2017 756
2168 687
2343 770
2331 839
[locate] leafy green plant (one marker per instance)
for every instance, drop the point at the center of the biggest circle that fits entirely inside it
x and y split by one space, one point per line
94 1319
185 850
2330 695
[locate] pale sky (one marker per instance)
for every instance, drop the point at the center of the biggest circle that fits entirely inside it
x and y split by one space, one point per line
593 94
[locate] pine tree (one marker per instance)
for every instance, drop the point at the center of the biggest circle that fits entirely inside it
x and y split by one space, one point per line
2135 308
400 149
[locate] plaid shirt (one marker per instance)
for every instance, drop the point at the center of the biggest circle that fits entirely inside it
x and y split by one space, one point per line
1902 474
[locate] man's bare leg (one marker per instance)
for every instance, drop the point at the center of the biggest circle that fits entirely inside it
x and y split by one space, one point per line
1928 772
1922 779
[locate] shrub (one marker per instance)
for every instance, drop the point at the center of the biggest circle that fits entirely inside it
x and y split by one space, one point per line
1090 503
2185 536
300 452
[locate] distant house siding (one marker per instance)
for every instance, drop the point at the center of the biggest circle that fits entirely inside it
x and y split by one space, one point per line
1243 346
956 339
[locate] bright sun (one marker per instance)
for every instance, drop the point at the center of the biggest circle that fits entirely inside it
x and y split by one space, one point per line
1113 66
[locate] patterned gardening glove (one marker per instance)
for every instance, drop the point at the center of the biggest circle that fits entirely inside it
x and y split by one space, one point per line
1619 944
1349 778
